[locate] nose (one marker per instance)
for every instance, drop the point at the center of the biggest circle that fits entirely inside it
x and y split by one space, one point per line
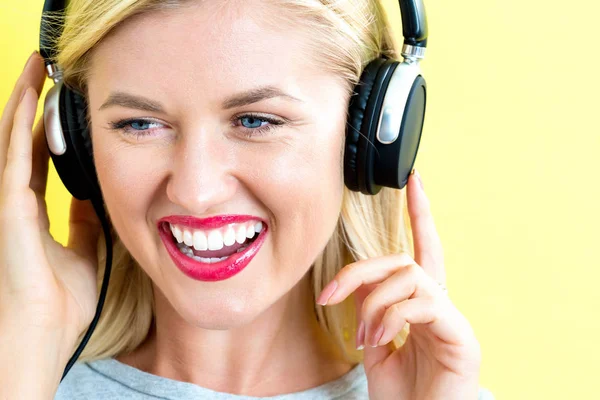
201 178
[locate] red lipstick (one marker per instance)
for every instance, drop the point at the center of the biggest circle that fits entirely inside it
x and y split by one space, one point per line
214 271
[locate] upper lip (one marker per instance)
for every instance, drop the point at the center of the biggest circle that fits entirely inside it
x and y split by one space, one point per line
213 222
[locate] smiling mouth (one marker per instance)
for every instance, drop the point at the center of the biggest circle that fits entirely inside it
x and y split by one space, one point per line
212 247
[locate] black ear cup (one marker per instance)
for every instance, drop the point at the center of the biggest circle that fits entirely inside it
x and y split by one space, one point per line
395 161
354 130
368 163
76 166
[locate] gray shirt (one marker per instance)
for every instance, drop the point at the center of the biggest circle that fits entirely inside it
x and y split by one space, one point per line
112 379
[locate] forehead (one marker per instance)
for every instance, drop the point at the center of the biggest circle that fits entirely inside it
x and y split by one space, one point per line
220 46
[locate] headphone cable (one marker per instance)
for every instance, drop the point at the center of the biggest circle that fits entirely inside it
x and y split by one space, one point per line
99 208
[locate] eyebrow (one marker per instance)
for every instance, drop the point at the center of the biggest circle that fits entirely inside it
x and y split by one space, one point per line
251 96
255 95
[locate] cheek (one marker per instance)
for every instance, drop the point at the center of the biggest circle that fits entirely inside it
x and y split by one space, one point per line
302 187
128 182
298 183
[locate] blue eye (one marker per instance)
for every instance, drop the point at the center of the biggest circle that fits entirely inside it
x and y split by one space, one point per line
135 126
257 125
250 124
139 125
252 121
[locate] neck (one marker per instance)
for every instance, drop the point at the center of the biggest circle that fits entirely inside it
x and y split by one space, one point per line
283 350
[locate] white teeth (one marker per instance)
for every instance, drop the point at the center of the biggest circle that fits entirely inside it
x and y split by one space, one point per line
240 235
207 260
188 252
177 233
250 232
229 237
215 240
200 241
187 238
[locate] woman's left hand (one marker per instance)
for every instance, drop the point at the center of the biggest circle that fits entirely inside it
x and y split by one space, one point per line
441 356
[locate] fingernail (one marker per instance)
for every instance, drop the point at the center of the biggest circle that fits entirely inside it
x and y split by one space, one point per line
327 293
29 60
377 336
419 179
360 336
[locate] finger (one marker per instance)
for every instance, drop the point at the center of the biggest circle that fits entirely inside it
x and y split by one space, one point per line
359 297
443 321
39 177
446 325
371 355
34 76
84 230
39 174
429 253
17 172
354 275
408 282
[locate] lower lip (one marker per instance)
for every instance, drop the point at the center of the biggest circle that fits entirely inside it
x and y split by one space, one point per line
211 272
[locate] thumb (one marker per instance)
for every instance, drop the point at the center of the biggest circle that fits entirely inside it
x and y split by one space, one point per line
84 230
372 355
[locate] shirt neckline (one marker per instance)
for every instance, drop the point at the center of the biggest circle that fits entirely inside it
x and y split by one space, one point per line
159 386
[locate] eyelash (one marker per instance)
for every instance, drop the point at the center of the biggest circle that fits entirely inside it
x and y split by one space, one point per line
124 125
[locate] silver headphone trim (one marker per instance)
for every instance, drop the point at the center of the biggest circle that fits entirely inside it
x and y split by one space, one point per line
54 133
409 51
54 73
394 102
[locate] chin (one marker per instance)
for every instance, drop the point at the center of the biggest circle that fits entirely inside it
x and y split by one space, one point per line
221 312
233 302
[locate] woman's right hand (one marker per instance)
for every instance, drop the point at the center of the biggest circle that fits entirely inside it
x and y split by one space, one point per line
44 286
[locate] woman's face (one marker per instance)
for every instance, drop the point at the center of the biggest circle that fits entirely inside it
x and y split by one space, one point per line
206 149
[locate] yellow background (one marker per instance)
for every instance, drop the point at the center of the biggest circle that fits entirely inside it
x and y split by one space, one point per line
509 158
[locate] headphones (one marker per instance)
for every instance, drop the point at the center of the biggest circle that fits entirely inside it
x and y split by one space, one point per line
384 126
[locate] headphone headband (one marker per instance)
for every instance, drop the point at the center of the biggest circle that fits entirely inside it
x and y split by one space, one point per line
414 27
47 33
414 22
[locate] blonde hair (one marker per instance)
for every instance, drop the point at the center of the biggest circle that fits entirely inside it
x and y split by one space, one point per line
348 35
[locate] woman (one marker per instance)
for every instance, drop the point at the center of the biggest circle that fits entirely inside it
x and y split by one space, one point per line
214 121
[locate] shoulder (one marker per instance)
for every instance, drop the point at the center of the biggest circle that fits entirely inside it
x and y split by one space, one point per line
357 388
109 379
85 381
78 383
